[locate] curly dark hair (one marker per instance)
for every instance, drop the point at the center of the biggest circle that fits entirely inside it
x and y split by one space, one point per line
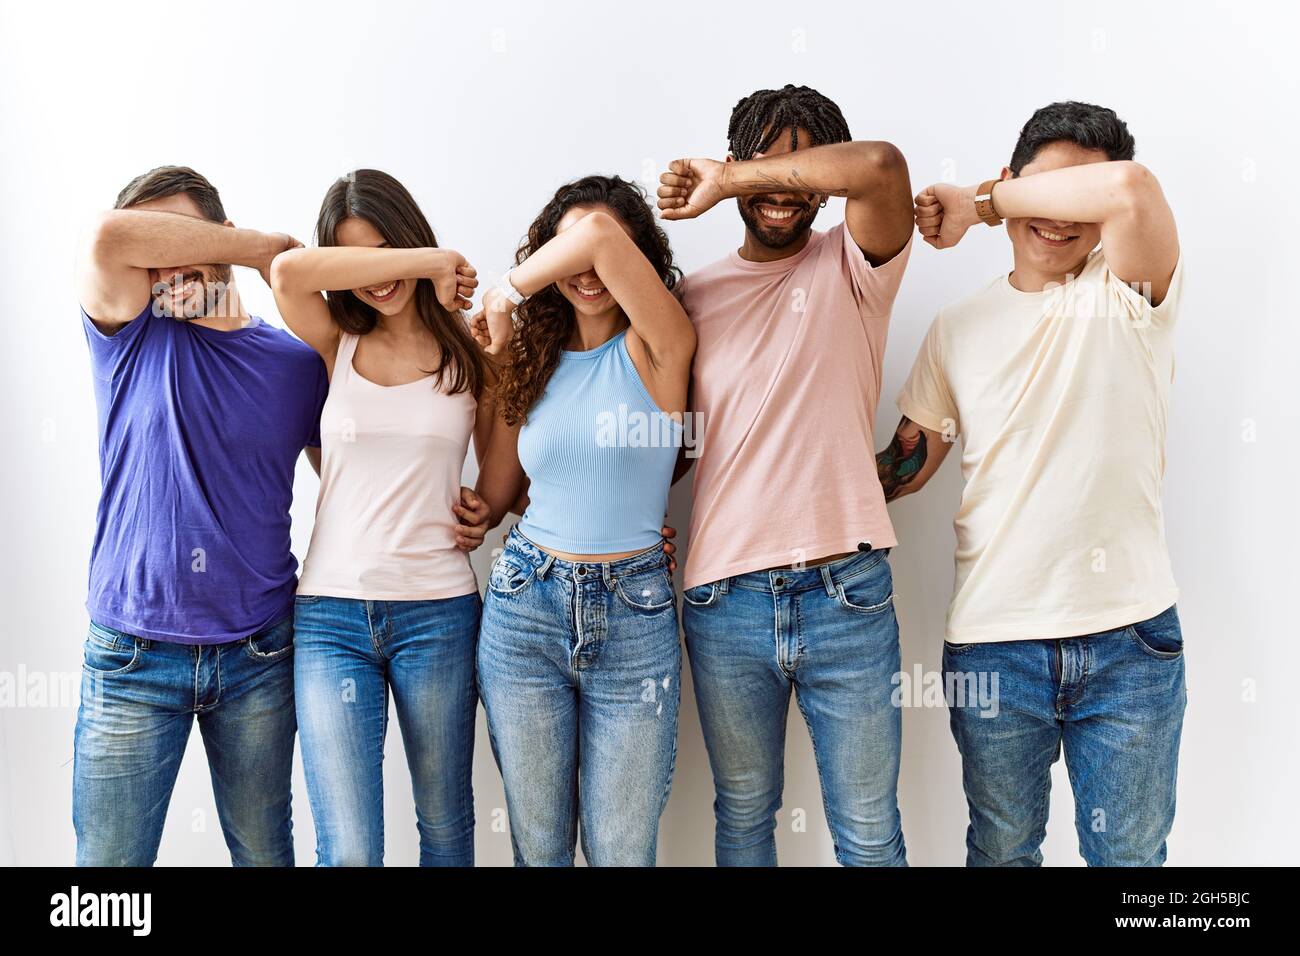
545 321
385 203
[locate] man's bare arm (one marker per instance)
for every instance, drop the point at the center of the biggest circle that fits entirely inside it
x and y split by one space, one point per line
121 246
871 175
1138 235
914 454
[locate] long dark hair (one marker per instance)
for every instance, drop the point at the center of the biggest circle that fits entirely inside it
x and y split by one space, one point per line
383 202
545 321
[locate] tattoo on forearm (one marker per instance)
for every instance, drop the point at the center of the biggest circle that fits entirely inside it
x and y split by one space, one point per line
760 182
900 463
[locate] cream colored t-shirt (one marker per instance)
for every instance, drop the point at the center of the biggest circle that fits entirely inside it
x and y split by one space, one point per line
1060 399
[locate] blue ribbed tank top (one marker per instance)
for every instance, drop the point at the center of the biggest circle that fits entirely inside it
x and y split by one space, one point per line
599 455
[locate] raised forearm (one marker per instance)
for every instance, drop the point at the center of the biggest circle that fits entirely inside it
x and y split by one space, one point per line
140 239
853 170
335 268
1092 192
569 253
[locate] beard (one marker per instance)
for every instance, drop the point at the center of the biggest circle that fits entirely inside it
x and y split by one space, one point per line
208 300
777 238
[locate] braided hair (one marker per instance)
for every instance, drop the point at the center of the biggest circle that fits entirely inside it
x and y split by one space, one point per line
761 117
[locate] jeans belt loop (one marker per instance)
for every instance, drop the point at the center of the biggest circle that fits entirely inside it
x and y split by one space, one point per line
828 581
724 585
544 567
608 578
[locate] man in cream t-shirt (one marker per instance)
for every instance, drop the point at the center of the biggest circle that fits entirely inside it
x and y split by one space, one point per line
1056 379
788 587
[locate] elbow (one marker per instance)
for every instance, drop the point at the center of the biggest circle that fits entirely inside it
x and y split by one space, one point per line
1135 187
877 163
601 227
104 232
881 159
286 270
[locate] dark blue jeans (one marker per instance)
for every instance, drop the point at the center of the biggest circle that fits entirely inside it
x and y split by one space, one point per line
139 700
351 655
1113 701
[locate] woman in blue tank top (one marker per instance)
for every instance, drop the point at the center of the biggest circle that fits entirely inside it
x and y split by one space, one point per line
578 655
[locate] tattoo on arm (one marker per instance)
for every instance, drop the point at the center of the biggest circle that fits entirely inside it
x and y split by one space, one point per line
900 463
761 181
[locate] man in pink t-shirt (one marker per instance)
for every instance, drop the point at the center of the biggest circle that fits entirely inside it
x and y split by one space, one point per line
787 581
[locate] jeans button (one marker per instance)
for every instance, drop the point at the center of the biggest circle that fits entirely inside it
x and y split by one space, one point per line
779 582
582 569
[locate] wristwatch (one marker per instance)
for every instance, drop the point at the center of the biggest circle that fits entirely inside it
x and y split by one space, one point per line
984 203
505 287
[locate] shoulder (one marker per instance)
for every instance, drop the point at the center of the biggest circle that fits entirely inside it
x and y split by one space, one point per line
703 278
969 311
284 344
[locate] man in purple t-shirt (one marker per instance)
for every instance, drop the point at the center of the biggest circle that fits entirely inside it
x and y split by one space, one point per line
203 412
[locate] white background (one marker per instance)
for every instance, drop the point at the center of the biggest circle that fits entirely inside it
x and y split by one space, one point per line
482 110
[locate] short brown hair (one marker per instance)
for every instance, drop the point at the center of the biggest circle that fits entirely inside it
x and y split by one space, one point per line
167 181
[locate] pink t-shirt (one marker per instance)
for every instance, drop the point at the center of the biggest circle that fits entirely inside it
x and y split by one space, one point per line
786 377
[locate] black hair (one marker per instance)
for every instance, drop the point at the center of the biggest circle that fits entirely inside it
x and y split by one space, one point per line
1086 125
761 117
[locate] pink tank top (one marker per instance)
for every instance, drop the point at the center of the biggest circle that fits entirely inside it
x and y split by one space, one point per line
391 460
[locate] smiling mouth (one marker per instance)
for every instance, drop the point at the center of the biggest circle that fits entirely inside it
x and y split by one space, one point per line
589 293
382 293
183 286
777 215
1055 239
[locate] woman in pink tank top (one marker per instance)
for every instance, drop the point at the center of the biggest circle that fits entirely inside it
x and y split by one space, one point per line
387 601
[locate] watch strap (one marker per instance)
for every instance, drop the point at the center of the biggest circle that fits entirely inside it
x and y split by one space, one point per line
984 203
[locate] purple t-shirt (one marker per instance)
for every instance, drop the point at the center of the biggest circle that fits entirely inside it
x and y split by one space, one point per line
199 432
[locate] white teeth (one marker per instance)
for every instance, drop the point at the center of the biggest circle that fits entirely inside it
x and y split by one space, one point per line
591 293
1055 237
381 292
778 214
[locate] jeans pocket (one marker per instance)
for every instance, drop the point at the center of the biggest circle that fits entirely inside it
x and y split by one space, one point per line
702 595
272 643
510 575
1161 636
109 652
867 593
648 592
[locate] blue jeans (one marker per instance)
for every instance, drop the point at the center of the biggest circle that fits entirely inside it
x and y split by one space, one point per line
139 699
1113 700
578 665
829 634
351 654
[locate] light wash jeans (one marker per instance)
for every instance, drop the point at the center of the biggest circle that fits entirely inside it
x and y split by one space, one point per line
1114 701
351 655
139 702
578 666
829 634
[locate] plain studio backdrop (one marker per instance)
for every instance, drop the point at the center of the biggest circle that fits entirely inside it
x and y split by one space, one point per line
482 110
